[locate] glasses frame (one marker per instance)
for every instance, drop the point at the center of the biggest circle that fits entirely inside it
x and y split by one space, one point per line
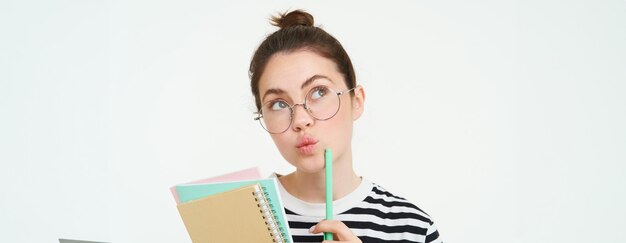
259 114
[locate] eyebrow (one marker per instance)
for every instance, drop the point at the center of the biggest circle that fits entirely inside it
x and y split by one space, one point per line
306 83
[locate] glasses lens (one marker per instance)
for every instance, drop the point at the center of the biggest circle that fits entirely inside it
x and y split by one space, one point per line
276 116
323 102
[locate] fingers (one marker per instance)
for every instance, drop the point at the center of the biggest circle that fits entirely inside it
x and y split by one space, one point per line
341 231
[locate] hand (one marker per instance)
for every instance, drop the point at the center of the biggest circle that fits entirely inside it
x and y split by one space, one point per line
340 231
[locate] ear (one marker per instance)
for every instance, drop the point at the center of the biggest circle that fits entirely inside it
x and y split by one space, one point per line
357 102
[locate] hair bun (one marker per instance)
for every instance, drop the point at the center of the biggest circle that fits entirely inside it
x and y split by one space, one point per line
293 18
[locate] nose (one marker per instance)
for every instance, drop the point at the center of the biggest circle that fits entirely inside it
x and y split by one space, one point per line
301 118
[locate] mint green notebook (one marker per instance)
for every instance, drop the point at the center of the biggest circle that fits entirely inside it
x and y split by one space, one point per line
190 192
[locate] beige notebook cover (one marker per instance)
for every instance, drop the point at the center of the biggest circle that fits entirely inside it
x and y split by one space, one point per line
232 216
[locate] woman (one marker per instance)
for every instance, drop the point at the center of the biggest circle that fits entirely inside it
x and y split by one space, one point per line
306 93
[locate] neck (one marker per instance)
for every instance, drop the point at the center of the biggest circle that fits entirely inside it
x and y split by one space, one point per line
311 187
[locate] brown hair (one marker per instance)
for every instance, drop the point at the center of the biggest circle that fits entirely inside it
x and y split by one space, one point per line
296 33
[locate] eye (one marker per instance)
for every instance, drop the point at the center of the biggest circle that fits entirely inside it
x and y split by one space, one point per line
319 92
278 105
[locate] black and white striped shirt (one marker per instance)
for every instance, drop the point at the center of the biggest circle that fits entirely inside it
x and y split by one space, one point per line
371 212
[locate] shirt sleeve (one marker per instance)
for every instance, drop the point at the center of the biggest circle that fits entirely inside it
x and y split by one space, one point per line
432 234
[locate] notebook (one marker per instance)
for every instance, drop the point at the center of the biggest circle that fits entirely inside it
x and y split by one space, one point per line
218 213
247 174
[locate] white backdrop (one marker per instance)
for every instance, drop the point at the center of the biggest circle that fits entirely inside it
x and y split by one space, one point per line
502 119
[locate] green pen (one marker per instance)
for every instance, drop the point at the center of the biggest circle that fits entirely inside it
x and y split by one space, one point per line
328 158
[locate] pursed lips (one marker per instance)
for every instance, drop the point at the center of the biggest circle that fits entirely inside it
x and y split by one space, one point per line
306 144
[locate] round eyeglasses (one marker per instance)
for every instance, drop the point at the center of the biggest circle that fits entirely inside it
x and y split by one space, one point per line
321 102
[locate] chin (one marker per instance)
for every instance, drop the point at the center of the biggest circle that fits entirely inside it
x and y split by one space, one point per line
310 165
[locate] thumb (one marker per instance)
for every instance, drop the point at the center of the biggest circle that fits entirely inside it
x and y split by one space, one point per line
338 228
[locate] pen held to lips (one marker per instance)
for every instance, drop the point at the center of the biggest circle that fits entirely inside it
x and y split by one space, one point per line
328 163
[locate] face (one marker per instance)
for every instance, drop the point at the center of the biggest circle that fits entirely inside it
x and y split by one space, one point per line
290 77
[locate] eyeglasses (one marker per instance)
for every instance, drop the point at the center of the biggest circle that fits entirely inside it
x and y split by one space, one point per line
321 102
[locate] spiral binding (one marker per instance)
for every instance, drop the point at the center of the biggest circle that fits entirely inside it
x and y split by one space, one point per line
267 212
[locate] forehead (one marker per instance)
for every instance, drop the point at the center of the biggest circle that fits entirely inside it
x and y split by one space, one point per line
287 71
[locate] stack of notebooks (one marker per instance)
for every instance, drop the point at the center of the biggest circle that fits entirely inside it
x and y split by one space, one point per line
237 207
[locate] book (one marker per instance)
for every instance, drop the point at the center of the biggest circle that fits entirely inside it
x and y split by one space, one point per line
241 211
247 174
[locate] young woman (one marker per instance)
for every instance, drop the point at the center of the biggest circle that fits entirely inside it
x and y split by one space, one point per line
307 98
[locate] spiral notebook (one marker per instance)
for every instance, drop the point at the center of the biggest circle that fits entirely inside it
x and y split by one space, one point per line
246 174
241 211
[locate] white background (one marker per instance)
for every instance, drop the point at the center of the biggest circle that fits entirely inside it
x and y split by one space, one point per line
502 119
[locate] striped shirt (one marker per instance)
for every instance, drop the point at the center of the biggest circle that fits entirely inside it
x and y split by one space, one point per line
371 212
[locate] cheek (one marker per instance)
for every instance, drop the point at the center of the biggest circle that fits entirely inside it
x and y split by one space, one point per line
342 123
280 140
345 112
